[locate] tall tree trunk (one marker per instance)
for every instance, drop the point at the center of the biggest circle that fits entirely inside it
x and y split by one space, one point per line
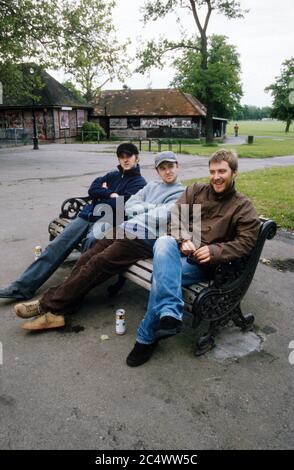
209 104
209 123
288 124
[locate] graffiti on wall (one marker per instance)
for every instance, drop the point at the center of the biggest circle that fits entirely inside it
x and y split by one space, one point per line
149 123
118 123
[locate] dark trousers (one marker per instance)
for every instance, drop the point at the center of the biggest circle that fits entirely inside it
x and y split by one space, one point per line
105 259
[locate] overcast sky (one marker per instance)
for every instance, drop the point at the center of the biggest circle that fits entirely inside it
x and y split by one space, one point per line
264 39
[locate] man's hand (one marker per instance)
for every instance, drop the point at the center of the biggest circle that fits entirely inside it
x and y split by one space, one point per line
202 255
114 195
187 247
104 185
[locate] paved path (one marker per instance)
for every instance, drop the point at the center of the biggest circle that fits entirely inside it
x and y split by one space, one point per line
68 389
76 160
242 139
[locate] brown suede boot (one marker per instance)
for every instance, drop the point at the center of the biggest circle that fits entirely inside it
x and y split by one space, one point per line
44 322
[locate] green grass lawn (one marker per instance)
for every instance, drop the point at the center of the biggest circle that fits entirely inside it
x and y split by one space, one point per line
271 191
261 148
261 128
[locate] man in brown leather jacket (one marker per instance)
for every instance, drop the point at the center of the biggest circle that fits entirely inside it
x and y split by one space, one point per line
229 229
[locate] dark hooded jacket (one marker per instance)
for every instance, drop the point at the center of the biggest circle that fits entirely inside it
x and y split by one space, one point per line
124 183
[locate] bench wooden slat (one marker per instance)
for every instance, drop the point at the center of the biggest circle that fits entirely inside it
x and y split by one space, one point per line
138 280
141 272
146 263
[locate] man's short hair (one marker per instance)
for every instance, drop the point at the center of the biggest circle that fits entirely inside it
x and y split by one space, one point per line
128 148
225 155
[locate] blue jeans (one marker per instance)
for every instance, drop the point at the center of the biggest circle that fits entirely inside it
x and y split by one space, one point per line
53 256
170 272
96 232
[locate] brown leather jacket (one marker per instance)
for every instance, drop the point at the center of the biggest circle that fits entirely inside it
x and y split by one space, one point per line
229 222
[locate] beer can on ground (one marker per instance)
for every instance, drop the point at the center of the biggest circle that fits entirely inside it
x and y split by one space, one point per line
38 252
120 324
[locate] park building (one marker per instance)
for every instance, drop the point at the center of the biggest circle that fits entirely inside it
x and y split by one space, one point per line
152 114
57 114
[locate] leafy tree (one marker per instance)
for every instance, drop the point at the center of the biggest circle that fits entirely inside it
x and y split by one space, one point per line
223 75
74 90
21 82
28 32
91 53
77 35
154 53
282 92
28 29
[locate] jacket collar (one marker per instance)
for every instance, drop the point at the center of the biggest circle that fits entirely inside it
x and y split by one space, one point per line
135 171
225 194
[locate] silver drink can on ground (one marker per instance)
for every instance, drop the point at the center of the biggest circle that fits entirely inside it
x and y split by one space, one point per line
37 251
120 321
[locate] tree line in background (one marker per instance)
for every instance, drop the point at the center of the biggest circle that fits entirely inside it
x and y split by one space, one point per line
247 112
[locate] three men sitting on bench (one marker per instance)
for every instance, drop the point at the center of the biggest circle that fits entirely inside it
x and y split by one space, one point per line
229 230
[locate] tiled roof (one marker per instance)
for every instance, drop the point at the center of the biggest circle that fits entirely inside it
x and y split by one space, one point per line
160 102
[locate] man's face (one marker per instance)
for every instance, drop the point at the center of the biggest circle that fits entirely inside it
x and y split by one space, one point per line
127 161
221 176
168 172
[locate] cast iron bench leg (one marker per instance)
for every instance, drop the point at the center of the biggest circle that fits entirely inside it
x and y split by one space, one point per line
245 322
206 342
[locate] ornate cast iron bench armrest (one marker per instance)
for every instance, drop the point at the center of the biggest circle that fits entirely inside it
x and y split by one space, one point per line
69 211
72 206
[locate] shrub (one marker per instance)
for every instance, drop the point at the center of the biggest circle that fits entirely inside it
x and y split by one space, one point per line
90 130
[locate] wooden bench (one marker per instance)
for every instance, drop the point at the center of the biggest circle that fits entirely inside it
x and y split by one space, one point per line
212 304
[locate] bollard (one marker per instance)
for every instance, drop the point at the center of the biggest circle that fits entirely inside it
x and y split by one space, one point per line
35 143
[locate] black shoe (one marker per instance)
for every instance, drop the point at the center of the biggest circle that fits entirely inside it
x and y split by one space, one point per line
168 326
140 354
8 293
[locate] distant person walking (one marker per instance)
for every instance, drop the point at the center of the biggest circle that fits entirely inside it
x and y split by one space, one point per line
236 129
